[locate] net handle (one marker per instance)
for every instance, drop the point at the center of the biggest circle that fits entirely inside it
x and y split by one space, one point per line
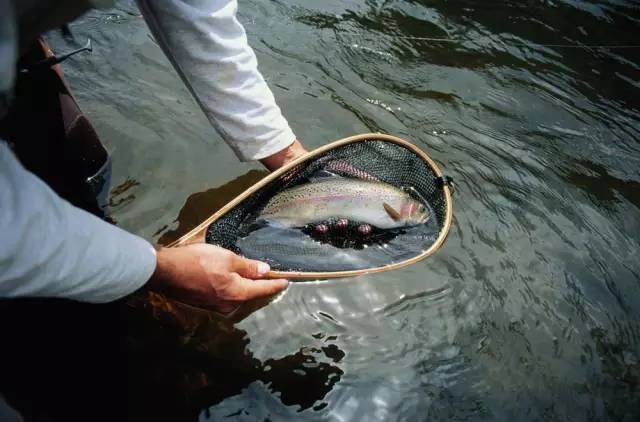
197 235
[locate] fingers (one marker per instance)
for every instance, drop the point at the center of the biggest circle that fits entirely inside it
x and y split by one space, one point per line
249 268
364 229
246 289
342 224
321 228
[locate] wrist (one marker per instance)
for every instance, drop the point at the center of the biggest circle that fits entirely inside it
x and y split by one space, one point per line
284 156
162 271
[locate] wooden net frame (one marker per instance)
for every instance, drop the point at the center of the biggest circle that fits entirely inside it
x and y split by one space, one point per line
198 233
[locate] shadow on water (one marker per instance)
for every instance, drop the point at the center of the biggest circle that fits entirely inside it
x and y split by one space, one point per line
201 205
184 360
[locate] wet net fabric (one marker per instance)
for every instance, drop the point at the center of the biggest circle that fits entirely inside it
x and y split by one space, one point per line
301 249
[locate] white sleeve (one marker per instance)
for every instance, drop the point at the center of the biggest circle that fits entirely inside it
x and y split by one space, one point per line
208 47
49 248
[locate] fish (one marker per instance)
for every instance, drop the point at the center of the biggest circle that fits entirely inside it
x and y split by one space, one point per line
371 202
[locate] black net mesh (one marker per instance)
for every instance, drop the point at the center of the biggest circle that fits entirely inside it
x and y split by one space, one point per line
345 247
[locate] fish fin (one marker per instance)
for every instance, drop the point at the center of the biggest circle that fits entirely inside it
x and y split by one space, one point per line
267 221
395 215
258 224
277 223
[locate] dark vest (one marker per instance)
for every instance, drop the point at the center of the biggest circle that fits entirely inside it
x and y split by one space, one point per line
44 124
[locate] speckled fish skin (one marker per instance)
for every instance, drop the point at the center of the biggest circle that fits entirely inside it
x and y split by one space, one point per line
358 200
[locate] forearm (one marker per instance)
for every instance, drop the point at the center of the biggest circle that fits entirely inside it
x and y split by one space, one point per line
208 47
51 249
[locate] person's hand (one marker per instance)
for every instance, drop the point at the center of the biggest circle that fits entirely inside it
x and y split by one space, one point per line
206 275
282 157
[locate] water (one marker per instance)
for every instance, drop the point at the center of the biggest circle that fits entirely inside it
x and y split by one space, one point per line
531 309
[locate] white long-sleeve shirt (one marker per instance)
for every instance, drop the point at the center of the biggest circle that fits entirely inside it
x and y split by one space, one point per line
49 248
208 47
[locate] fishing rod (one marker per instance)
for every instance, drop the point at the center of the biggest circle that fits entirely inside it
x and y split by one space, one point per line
484 37
514 44
56 59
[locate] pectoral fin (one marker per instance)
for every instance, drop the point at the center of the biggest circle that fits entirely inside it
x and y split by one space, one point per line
395 215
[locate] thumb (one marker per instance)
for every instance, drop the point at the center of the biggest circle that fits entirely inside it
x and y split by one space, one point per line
249 268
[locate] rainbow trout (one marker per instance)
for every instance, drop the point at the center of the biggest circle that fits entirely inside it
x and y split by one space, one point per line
375 203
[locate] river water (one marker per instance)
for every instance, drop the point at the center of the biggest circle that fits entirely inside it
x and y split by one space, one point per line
531 309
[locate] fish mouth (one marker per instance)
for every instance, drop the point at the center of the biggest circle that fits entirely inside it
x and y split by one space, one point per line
423 217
